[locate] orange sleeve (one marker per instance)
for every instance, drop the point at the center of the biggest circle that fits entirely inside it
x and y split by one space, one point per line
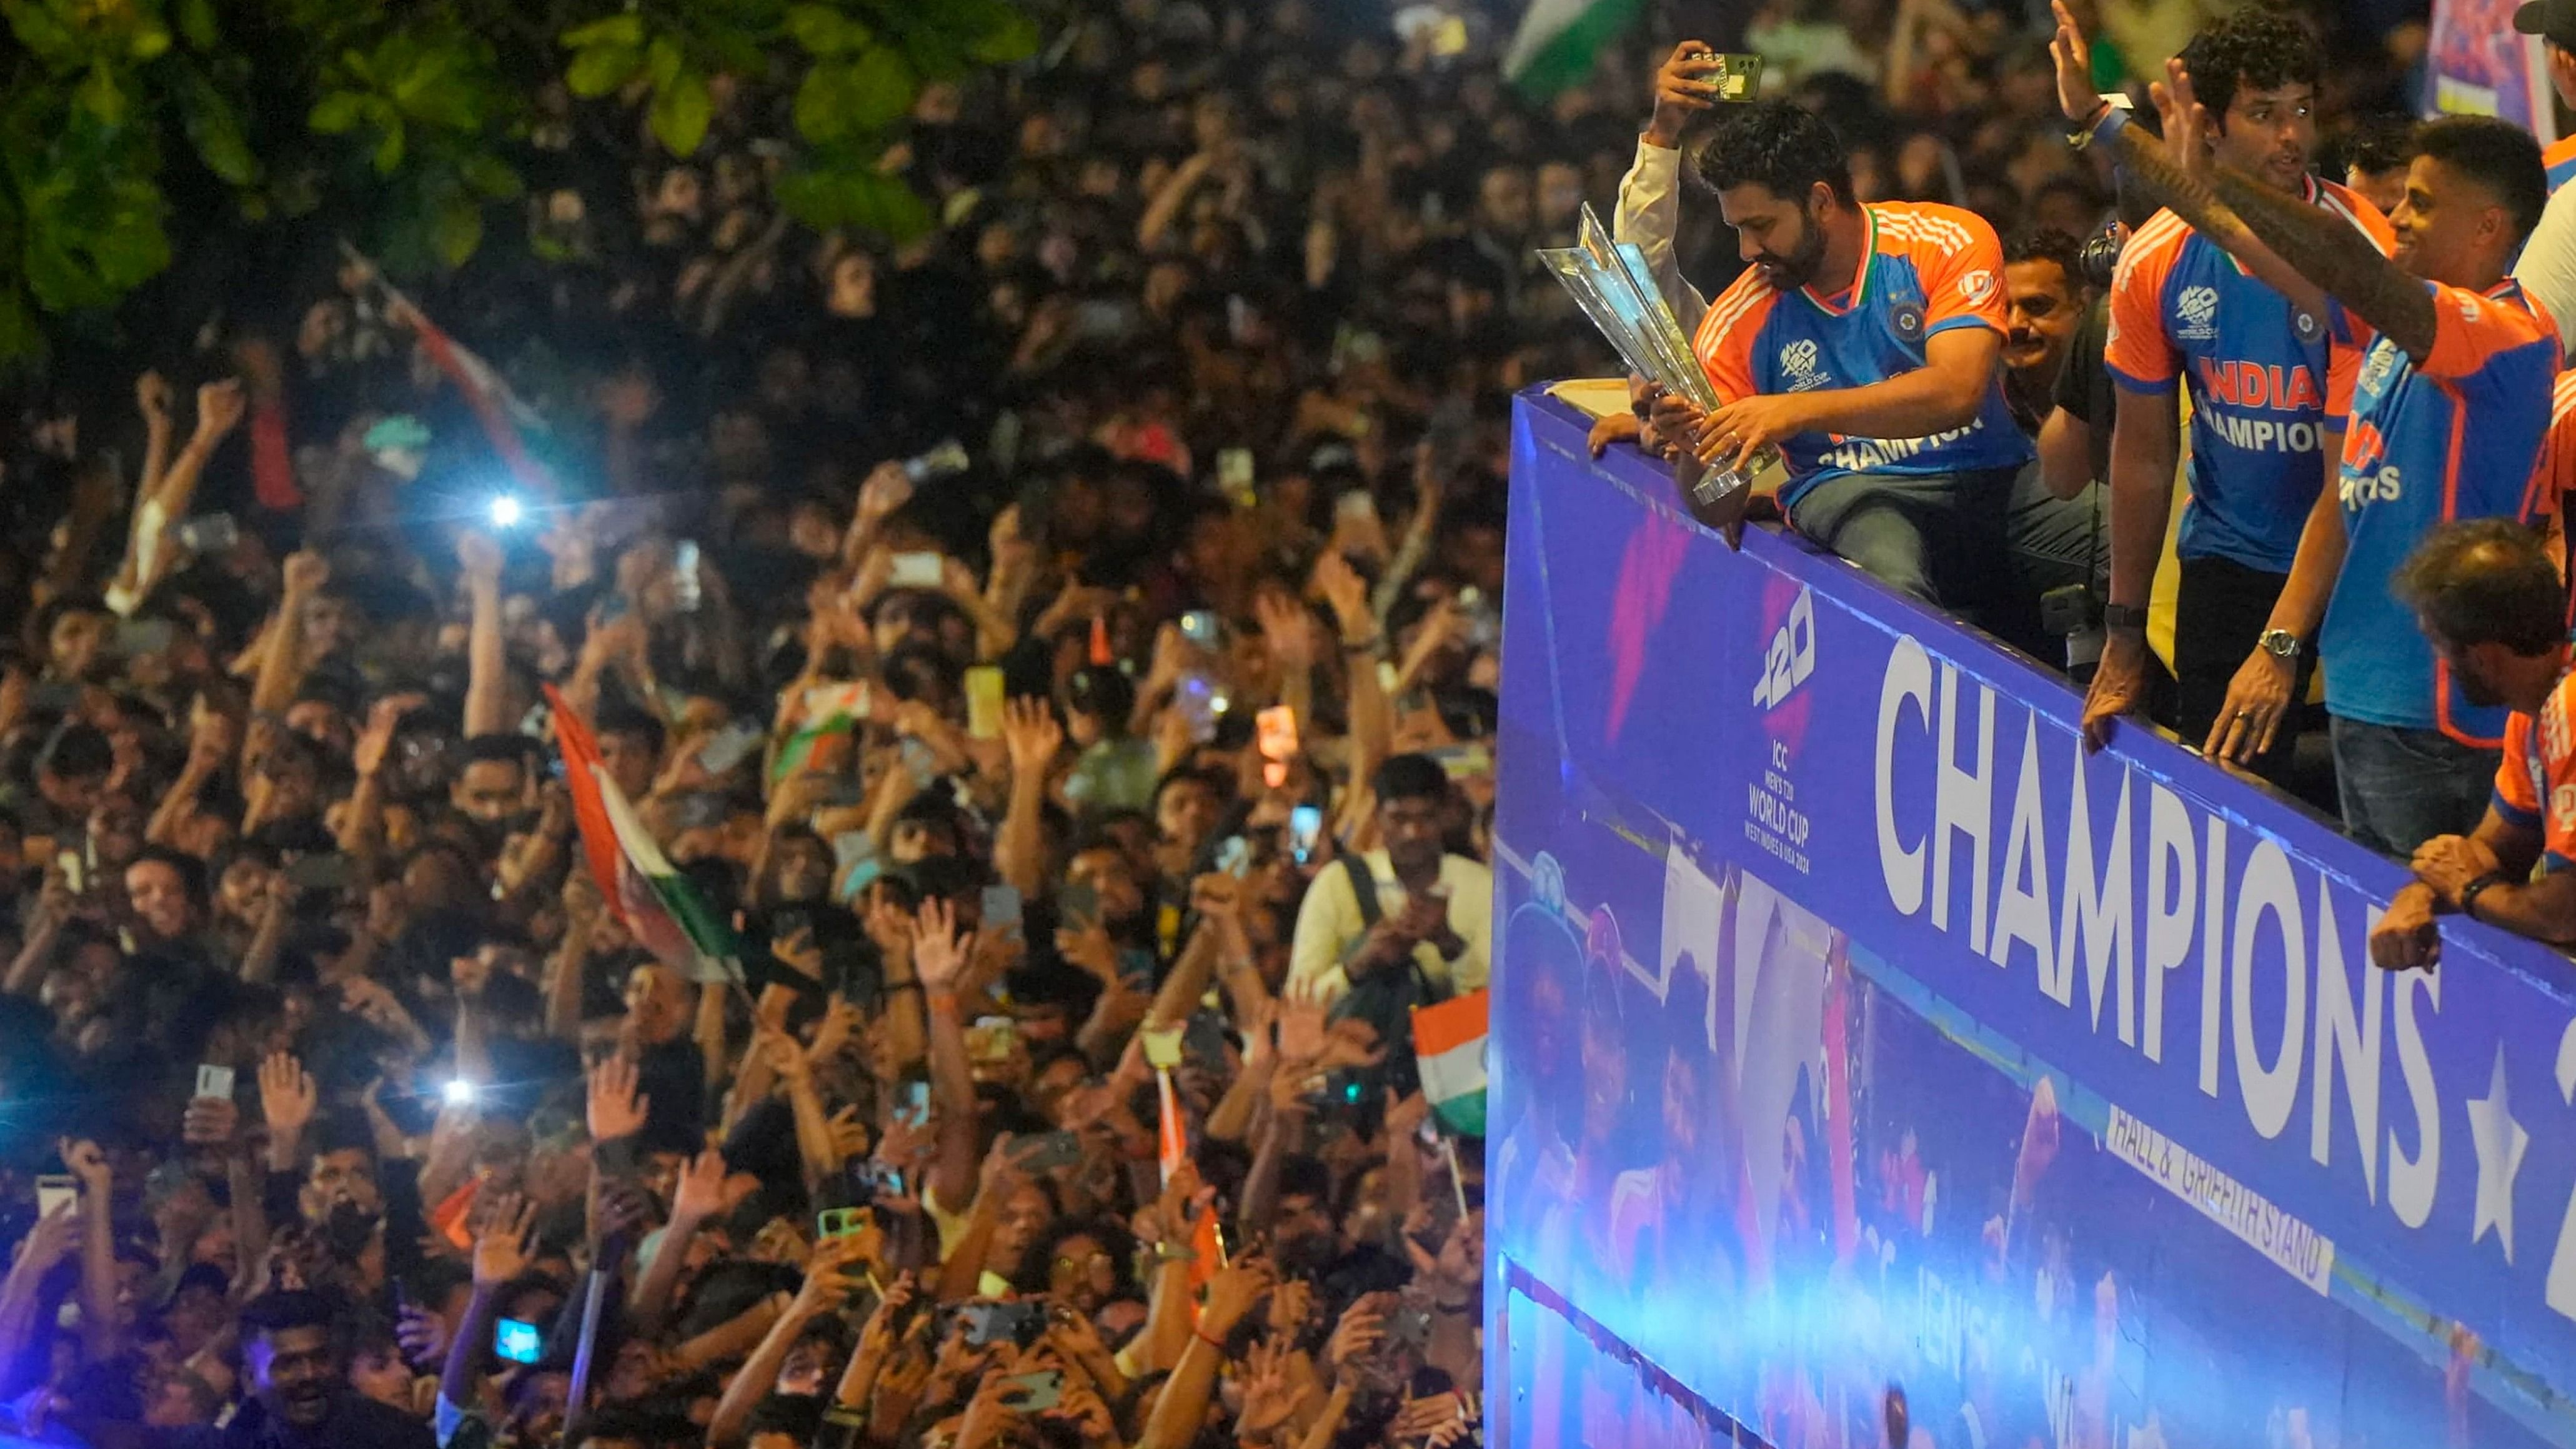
1961 264
2514 799
2555 475
2343 375
2468 330
2136 349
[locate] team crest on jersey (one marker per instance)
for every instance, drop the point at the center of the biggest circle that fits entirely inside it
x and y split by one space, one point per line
1908 317
2198 309
1977 286
1799 360
2307 325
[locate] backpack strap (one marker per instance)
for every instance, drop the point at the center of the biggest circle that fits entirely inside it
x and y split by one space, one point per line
1363 890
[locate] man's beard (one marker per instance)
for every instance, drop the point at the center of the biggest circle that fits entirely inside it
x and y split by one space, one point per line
1799 267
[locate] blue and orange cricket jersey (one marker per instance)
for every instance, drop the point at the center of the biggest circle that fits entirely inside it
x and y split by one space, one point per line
2560 157
2455 436
2266 381
2535 784
1926 269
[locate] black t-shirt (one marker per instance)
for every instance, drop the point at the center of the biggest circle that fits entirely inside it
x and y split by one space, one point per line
2084 386
674 1076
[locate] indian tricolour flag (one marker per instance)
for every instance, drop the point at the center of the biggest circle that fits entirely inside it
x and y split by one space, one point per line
658 904
1449 1045
1560 40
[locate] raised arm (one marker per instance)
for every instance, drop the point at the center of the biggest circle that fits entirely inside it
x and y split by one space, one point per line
1032 736
1649 211
100 1339
2307 253
486 676
827 1285
939 954
1183 1406
698 1197
283 668
169 484
501 1254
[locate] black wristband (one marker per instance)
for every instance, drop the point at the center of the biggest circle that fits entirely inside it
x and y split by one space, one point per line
2469 893
2123 616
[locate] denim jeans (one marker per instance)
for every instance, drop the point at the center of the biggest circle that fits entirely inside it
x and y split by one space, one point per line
2401 787
1938 538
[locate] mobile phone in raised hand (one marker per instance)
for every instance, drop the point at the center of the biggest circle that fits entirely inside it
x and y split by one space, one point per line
842 1222
1033 1393
518 1340
921 570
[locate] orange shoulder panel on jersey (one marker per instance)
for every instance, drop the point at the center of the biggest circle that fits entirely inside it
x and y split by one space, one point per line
1957 257
2469 329
2513 784
1724 343
2555 476
2558 153
2137 350
2355 208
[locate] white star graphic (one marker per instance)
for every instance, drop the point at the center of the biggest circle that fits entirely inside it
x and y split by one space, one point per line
2500 1143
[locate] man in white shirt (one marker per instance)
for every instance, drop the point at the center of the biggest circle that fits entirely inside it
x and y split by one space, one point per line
1410 900
1650 194
2548 267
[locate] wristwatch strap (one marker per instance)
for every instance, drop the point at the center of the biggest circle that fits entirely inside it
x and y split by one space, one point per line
2469 893
2123 616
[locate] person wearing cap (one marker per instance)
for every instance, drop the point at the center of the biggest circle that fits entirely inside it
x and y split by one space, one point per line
2554 21
2547 269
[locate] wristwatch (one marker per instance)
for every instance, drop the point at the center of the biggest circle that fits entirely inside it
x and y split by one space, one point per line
2481 885
2279 643
2124 617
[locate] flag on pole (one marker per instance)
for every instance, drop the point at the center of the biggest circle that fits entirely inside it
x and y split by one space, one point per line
656 903
505 418
1449 1046
1559 41
830 711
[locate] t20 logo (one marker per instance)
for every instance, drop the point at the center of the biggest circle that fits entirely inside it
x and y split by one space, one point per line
1792 656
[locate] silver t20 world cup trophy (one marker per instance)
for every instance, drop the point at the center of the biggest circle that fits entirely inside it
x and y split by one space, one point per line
1611 281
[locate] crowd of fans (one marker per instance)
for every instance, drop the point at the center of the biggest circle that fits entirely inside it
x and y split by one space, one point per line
1058 652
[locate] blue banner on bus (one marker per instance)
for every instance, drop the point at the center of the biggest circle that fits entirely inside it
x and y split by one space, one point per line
1853 1027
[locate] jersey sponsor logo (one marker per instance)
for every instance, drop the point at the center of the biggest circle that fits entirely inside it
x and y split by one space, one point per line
1977 286
2562 806
2261 385
2375 366
2360 490
2197 308
2470 311
1800 361
1792 656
